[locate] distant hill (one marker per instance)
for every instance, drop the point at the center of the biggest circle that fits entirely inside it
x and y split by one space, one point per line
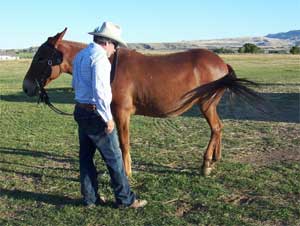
279 42
292 35
267 44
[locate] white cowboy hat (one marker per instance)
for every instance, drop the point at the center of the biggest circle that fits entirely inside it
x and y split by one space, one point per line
111 31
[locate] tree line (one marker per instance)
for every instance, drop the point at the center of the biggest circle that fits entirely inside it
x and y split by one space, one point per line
252 48
246 48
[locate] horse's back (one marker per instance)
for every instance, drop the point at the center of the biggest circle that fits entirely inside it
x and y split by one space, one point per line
203 59
155 84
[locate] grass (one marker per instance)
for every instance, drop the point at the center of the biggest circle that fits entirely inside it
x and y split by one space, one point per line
256 183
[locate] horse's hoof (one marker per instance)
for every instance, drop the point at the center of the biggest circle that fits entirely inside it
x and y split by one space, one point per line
207 171
128 172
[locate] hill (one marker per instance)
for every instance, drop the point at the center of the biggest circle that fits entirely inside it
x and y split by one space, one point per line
279 42
267 44
291 35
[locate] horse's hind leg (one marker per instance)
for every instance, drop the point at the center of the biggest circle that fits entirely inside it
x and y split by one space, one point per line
213 151
217 152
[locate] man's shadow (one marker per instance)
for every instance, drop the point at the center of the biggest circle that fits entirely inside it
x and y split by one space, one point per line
53 199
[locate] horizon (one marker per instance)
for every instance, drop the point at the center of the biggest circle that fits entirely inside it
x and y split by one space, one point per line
241 37
144 22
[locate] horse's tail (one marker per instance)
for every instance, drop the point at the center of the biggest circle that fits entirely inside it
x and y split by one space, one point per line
209 92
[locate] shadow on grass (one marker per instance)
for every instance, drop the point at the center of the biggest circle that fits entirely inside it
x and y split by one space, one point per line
37 177
56 200
282 107
152 168
35 167
57 95
38 154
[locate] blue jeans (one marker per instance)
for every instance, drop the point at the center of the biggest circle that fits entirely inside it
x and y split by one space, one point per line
92 136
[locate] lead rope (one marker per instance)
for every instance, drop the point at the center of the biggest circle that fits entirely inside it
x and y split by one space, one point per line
44 98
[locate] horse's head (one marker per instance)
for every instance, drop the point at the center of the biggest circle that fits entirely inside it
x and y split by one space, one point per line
44 66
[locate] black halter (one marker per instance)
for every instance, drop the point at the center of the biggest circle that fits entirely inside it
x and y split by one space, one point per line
56 58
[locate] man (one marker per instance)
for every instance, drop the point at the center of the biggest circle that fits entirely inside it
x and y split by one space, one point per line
96 128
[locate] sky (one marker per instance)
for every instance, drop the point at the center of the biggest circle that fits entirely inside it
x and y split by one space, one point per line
27 23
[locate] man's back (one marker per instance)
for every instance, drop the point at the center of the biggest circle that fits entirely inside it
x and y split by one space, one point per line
83 75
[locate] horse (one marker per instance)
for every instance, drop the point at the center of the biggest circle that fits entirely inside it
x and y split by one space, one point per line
150 85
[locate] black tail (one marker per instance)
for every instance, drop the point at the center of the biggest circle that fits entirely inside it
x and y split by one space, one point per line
209 92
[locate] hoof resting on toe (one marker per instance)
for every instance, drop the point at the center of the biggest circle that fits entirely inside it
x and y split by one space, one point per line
207 171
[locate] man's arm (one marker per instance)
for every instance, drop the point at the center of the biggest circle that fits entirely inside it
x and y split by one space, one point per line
102 90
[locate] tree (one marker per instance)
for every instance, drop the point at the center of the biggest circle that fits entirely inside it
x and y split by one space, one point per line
223 50
295 50
249 48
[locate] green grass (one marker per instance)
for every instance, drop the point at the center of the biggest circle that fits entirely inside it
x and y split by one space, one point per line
256 183
25 55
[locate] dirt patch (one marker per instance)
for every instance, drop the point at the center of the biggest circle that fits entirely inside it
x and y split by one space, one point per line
182 208
185 208
238 199
268 158
272 143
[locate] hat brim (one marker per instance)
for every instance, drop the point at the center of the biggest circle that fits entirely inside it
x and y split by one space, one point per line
118 40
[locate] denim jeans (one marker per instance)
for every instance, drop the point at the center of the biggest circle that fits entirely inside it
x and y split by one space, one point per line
92 136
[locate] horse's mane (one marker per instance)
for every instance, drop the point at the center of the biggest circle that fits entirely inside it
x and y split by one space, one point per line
78 44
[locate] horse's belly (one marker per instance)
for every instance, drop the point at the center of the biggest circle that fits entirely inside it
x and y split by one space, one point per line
167 105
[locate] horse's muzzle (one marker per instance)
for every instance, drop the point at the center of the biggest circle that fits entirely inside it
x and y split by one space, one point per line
30 88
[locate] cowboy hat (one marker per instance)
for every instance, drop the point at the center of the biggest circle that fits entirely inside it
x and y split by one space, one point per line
111 31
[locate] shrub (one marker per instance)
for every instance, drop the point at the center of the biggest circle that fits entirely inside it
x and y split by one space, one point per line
223 50
295 50
250 48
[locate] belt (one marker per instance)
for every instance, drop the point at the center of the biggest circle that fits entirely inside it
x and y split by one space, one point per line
90 107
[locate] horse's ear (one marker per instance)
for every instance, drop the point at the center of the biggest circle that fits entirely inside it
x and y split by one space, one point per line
57 38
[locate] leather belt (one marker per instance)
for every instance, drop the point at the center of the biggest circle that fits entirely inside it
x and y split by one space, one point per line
90 107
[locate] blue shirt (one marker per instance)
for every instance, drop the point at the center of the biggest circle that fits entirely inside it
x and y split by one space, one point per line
91 79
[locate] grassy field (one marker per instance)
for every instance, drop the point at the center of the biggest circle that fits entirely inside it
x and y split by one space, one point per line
256 183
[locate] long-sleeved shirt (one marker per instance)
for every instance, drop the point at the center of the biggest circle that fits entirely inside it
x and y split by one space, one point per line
91 79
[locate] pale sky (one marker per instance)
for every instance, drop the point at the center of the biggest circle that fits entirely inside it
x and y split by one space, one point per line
26 23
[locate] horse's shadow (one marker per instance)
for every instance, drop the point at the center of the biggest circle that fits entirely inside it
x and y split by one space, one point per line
57 95
280 107
143 166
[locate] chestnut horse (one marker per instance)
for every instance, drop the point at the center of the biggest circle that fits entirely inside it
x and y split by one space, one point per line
157 86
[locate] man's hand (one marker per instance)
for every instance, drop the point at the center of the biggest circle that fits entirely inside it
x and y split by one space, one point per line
110 125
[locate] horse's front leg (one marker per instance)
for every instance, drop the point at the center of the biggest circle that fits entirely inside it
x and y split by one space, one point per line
122 119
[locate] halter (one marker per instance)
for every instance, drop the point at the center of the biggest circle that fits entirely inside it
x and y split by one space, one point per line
56 58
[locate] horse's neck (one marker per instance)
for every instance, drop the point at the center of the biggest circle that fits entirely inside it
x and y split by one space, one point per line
69 50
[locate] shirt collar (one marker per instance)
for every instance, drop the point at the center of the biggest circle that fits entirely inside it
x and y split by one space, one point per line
98 47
